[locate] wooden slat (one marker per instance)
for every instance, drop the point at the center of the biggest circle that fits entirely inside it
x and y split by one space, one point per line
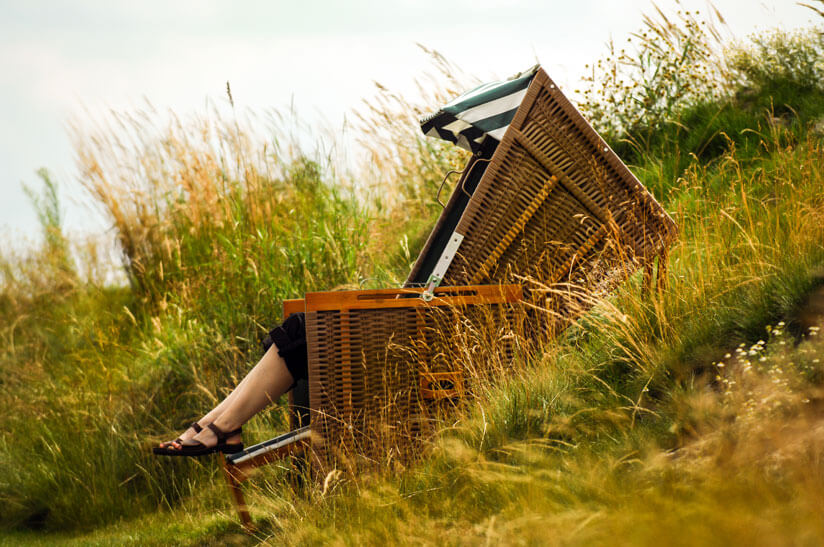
410 298
517 226
294 305
346 366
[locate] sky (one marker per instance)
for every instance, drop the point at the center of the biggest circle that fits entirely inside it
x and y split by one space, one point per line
64 62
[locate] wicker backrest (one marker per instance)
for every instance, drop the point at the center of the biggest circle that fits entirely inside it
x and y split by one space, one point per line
378 361
556 206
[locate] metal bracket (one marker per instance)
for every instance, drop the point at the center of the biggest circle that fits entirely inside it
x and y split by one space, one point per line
429 290
442 266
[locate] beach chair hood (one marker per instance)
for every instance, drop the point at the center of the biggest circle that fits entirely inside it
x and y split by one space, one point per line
543 197
481 113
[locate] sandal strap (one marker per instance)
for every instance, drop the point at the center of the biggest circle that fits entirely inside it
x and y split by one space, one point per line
196 426
223 435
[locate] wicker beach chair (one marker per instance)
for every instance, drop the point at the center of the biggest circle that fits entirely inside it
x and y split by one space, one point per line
544 212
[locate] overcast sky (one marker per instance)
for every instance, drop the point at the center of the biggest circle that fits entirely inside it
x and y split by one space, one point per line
59 59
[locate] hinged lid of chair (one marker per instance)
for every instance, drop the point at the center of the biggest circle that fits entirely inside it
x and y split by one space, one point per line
543 200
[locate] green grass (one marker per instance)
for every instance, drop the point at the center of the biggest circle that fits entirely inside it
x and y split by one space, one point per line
623 430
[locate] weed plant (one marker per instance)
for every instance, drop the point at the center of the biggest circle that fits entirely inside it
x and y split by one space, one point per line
677 91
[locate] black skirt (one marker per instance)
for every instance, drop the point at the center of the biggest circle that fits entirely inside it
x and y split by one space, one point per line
290 341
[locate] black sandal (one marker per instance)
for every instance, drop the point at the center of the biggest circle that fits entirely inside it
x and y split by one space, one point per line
168 444
200 449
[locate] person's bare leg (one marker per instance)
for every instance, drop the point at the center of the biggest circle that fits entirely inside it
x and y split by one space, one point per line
213 414
267 381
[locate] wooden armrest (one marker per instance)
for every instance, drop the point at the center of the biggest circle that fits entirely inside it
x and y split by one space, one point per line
293 305
411 297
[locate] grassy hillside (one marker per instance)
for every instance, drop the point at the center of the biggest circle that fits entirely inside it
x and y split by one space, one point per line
690 416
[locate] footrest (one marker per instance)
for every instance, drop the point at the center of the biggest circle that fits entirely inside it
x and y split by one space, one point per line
280 446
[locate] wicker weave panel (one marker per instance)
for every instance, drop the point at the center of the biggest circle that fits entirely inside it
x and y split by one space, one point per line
557 205
365 368
542 257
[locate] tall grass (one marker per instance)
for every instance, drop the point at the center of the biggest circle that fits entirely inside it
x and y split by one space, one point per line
619 427
197 202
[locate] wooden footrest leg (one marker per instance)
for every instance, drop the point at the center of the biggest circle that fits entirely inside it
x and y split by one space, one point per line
233 479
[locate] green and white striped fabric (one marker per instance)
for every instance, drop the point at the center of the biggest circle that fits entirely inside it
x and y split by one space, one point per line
484 112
